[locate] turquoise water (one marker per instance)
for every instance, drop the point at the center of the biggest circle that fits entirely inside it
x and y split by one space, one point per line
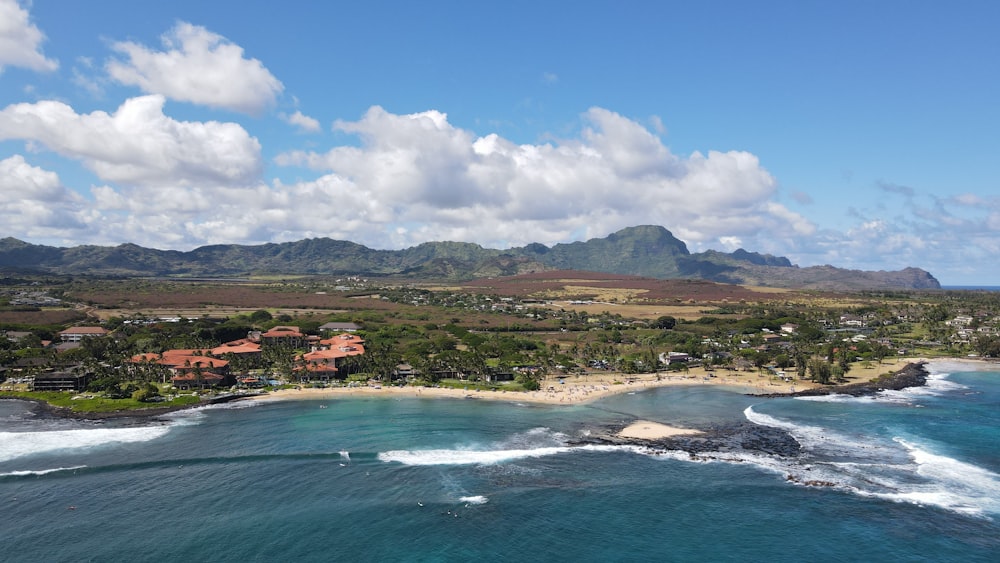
913 476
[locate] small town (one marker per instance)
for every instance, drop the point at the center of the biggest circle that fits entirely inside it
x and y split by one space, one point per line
489 341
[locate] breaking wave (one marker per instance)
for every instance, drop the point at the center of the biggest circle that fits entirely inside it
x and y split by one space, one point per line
482 457
937 384
14 445
869 466
34 473
534 443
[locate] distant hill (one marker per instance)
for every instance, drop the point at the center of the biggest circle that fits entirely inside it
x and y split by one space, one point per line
650 251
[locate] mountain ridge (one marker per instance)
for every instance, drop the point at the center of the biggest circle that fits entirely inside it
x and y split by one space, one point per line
645 250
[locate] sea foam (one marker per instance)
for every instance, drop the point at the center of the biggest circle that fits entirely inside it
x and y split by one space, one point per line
958 485
937 384
482 457
14 445
534 443
36 472
867 467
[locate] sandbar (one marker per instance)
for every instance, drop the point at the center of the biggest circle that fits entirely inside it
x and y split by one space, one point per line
645 430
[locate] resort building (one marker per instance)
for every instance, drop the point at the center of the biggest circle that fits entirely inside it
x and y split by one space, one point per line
78 333
340 327
242 347
60 381
186 363
289 336
324 363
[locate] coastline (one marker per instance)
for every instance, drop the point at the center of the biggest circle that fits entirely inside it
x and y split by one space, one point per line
48 410
579 389
567 390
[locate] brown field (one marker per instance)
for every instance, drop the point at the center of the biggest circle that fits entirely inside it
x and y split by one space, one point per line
221 300
210 312
634 311
194 296
43 317
628 296
611 287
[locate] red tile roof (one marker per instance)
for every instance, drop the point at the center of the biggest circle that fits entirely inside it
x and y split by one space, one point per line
242 346
181 359
342 339
283 332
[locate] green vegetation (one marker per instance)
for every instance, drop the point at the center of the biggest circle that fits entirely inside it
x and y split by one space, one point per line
474 337
645 250
96 404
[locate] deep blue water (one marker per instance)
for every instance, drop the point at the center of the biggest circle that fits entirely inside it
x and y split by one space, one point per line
915 477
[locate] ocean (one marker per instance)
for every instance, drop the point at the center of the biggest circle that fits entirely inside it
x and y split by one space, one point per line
906 476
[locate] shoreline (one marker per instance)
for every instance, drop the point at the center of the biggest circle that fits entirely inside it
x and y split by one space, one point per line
573 390
581 389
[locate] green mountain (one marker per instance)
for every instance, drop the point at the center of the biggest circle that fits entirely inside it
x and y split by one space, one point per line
647 250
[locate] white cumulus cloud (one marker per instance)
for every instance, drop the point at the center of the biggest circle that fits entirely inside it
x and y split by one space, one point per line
197 66
305 123
21 40
418 178
411 178
138 144
35 204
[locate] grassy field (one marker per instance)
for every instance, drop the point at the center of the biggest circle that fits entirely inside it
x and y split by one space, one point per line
94 404
636 311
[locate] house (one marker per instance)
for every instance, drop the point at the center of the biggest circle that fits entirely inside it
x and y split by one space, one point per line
78 333
242 347
185 362
66 346
16 335
498 375
404 371
317 370
340 327
289 336
674 357
251 381
60 381
852 321
324 363
789 328
194 380
336 341
960 321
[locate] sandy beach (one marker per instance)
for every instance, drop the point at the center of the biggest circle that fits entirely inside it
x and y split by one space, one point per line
576 389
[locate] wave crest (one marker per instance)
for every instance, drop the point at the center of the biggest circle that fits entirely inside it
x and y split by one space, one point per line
14 445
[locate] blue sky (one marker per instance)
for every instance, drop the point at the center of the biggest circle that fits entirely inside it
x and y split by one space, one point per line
858 134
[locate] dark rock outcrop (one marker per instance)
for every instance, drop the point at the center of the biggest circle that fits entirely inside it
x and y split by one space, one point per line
747 437
735 437
45 409
912 375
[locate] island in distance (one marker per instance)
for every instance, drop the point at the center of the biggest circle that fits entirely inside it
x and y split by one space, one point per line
648 250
